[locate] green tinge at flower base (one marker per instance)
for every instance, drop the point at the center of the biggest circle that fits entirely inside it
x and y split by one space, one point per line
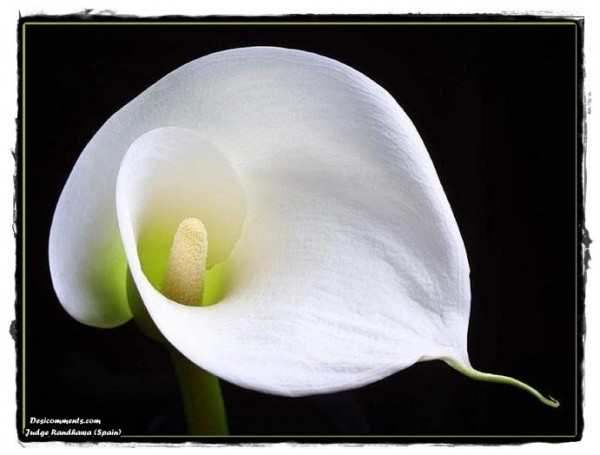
154 246
107 278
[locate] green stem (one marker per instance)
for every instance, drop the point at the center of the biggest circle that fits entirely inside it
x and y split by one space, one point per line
488 377
202 399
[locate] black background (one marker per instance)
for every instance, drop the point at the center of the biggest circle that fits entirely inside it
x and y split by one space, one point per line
495 106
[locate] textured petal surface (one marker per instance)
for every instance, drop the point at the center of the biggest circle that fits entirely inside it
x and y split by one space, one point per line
349 266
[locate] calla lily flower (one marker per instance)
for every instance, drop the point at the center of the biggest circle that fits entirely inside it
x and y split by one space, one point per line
333 258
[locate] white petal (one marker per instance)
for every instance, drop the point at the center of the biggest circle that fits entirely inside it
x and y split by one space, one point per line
350 265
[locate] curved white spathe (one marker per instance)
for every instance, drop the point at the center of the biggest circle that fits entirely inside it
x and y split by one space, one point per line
349 266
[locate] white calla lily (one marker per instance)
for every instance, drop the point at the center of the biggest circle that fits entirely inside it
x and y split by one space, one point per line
334 255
